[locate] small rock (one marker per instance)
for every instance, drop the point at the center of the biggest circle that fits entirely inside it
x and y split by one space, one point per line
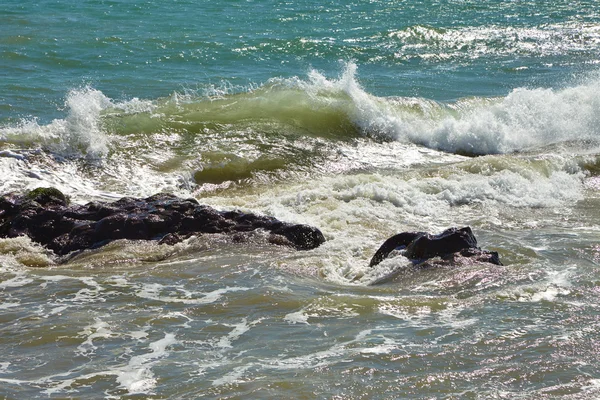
420 246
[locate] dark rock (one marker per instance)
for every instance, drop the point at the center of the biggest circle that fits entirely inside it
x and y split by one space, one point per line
303 237
399 241
420 246
46 196
450 241
46 217
479 255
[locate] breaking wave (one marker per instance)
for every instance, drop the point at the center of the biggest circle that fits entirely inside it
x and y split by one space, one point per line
324 108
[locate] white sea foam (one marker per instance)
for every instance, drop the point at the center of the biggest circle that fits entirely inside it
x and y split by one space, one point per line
7 305
357 212
523 119
118 281
417 316
57 278
368 200
429 195
556 284
592 387
137 376
238 330
362 343
81 135
451 317
139 335
298 317
99 329
312 360
56 310
80 131
21 251
180 315
19 280
22 175
232 377
82 126
4 366
153 292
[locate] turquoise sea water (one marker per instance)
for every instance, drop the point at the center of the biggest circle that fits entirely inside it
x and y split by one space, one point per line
440 50
363 118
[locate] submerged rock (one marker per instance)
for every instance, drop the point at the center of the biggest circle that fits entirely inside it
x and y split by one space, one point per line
45 216
452 244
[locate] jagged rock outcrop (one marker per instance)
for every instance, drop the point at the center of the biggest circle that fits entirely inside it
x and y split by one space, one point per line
45 216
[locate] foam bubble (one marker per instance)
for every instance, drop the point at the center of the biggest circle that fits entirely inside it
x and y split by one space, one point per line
362 343
417 316
523 119
60 153
549 294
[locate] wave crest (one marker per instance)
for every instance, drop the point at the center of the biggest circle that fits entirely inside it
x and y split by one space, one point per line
332 109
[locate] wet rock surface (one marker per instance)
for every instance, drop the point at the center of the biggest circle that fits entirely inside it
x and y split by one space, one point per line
45 216
452 244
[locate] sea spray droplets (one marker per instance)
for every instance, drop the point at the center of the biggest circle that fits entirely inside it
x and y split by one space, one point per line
369 113
299 123
526 118
80 133
82 126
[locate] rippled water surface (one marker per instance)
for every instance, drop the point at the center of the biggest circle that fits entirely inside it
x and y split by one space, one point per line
363 119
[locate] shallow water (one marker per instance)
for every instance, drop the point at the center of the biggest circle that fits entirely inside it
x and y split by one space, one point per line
364 119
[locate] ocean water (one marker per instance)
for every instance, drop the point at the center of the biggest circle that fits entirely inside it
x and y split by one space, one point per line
362 118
